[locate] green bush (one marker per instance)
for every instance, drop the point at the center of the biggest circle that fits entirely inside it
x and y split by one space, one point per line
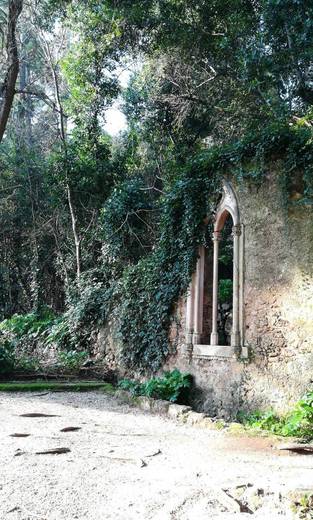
128 204
20 332
172 386
31 324
134 387
297 423
268 420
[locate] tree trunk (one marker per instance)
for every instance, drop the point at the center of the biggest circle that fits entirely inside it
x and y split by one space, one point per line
75 233
63 136
8 88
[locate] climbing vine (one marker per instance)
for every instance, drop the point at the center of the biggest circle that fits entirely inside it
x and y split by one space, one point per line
151 288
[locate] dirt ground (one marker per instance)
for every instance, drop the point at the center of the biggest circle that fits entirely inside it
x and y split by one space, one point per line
124 464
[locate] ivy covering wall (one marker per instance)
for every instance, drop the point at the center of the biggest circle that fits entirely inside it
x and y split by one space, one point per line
141 293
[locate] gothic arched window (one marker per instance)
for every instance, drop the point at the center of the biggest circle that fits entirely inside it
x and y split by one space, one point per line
203 336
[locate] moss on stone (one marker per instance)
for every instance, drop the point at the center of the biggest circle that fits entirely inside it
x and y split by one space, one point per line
54 386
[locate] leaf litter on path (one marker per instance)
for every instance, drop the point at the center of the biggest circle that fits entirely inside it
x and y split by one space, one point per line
70 429
19 435
53 451
35 414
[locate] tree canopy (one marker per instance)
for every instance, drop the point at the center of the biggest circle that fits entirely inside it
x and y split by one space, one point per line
86 216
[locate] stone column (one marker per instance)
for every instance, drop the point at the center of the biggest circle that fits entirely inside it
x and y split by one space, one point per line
241 286
190 313
235 334
198 299
214 333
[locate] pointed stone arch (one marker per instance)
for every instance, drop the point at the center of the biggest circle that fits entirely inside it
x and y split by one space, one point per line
228 204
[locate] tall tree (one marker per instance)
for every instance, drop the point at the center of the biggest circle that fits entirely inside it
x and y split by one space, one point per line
7 89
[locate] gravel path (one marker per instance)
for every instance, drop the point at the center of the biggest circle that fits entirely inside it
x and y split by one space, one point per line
124 464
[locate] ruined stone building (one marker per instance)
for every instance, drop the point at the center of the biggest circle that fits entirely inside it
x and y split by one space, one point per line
247 336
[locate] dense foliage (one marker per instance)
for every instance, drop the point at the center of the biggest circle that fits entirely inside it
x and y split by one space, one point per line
97 228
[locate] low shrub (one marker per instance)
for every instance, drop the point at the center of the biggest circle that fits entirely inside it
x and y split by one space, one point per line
172 386
19 336
25 333
134 387
268 420
297 423
59 332
31 324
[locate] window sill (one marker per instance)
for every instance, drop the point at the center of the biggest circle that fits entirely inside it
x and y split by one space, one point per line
215 351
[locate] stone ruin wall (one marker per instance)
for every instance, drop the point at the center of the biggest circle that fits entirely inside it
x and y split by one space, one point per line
278 311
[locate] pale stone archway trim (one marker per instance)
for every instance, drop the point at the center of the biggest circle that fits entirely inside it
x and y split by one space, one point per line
194 310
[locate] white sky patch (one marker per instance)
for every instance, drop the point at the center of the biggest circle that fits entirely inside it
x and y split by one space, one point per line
116 121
